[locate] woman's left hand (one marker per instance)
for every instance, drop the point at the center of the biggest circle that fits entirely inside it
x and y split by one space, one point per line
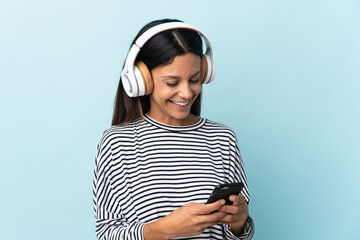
237 214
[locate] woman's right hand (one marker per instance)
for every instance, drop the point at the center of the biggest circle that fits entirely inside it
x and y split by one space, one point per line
188 220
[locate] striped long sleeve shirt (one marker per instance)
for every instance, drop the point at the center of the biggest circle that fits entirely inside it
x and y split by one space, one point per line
145 169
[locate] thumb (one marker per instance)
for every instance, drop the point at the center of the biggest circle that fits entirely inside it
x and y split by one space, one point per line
211 207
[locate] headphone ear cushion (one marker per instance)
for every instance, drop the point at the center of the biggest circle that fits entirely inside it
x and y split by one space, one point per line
203 69
146 77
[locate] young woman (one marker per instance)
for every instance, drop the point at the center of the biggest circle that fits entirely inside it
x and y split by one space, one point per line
158 163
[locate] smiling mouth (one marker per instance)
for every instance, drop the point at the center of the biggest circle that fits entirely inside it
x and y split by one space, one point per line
181 103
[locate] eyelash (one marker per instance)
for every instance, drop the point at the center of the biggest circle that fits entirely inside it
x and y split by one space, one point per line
174 84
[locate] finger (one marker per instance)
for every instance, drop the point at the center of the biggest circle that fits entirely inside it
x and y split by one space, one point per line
229 218
237 199
211 218
231 209
210 207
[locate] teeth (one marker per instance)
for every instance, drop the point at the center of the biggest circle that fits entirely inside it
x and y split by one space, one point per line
181 103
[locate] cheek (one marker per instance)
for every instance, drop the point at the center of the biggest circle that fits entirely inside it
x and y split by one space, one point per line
158 88
162 93
197 89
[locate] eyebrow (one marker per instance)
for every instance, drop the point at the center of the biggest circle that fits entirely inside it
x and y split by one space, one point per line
177 77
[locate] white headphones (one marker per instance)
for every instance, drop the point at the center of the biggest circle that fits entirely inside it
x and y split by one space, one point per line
136 78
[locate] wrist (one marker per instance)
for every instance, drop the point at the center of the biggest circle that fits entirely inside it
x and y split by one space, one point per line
157 230
237 229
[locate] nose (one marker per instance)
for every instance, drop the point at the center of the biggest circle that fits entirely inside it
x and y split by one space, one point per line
185 90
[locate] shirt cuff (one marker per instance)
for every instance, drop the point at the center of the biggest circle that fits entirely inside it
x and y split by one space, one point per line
247 234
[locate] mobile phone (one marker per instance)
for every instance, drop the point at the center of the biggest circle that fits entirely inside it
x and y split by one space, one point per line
224 191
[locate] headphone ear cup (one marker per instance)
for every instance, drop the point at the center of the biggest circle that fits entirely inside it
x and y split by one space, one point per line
204 69
146 77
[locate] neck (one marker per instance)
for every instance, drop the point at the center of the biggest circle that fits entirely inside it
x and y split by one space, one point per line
189 120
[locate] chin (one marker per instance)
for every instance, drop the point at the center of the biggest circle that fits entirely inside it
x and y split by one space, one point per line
181 115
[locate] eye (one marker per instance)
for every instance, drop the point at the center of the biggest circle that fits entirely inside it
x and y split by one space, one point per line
195 80
172 84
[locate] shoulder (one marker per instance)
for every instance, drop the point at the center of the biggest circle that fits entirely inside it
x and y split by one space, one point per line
219 127
121 132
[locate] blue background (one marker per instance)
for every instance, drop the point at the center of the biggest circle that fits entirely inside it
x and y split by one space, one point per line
287 83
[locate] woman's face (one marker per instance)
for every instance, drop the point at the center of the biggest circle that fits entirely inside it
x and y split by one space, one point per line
176 87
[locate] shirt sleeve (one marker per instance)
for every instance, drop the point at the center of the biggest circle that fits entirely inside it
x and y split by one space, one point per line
237 174
248 232
110 223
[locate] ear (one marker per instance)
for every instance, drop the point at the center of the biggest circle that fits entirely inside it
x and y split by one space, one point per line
146 77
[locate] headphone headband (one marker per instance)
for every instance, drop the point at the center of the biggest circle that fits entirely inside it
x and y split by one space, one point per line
128 74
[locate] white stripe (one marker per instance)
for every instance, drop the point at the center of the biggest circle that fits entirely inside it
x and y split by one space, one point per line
145 170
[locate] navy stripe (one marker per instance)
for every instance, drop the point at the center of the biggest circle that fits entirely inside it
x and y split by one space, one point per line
145 169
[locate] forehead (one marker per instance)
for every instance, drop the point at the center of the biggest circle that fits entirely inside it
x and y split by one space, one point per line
186 64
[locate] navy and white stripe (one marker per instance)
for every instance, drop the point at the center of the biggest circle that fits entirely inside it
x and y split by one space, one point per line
145 169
